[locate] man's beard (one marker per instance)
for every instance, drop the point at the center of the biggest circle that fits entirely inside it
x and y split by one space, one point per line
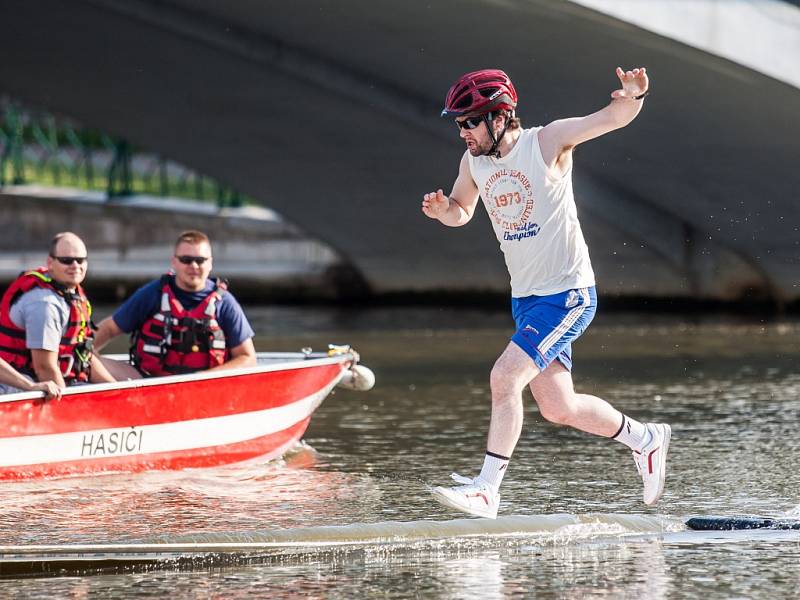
480 149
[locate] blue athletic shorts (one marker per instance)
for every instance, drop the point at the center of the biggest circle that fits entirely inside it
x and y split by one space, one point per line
547 325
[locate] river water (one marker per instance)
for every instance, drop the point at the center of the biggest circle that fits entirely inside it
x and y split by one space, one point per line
349 515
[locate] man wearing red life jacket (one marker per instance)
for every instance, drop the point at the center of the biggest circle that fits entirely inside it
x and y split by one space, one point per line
45 320
182 322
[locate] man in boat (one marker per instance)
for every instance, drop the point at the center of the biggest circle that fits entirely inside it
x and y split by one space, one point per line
45 321
183 322
524 177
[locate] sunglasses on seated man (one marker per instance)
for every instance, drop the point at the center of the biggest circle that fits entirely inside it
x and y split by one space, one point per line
68 260
187 260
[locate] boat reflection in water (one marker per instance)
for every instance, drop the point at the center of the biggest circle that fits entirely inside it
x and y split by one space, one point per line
203 419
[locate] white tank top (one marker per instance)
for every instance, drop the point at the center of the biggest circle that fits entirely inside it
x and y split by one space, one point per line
534 217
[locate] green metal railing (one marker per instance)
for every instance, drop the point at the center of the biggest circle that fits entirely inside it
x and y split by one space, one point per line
42 149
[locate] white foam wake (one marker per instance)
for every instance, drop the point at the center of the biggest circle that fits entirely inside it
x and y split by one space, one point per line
412 531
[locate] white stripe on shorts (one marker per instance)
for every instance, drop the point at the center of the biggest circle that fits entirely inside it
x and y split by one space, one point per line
564 326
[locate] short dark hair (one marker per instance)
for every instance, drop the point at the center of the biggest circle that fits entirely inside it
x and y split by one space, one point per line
192 236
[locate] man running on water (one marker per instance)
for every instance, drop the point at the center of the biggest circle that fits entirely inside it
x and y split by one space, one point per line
524 177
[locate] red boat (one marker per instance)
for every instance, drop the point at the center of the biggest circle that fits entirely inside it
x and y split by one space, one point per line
204 419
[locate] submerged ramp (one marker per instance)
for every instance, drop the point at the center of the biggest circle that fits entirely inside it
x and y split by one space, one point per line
205 549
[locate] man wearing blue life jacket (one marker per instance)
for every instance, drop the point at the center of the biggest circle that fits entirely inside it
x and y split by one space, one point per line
183 322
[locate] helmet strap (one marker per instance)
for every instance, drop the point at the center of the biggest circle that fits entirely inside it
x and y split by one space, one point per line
493 151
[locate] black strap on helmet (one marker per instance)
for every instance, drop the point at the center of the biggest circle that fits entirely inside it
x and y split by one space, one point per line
488 118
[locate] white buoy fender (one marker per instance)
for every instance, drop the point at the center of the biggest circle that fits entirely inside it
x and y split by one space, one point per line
359 378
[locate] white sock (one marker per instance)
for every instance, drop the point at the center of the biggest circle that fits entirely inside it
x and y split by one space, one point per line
494 467
632 433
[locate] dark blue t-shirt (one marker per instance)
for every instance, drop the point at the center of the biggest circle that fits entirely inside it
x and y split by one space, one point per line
146 302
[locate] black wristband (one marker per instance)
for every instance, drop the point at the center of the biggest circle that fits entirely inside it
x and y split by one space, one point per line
641 96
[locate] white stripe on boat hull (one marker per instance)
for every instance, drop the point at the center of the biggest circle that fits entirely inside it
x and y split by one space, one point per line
151 439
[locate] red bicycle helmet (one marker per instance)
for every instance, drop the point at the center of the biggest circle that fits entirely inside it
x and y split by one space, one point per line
480 92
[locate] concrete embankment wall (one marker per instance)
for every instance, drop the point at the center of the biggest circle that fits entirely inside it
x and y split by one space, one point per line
131 240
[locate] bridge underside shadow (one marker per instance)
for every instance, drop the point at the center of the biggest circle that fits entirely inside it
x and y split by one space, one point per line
327 111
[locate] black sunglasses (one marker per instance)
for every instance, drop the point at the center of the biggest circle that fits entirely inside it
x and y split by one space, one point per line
187 260
68 260
470 123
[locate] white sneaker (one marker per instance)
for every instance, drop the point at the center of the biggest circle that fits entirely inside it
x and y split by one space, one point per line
651 462
474 496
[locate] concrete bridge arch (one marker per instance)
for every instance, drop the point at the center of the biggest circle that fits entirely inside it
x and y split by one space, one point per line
327 111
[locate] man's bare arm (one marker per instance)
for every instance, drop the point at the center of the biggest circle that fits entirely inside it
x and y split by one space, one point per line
10 376
557 139
106 331
243 355
457 209
45 365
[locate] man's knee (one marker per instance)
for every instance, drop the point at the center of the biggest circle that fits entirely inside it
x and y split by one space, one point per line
121 371
510 375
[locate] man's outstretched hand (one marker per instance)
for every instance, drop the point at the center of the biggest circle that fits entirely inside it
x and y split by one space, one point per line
634 83
435 204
